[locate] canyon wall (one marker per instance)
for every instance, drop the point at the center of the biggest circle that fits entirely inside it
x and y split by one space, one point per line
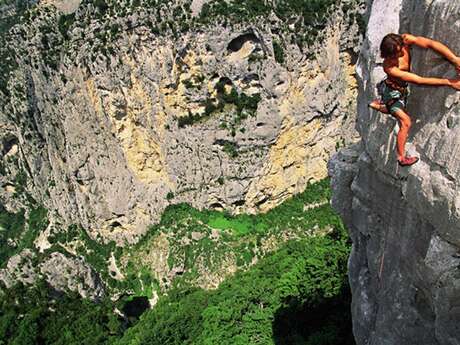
108 121
111 111
405 222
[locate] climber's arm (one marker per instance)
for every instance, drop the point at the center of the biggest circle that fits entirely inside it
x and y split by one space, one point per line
416 79
435 45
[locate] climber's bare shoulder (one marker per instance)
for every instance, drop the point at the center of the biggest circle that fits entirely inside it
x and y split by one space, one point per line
420 41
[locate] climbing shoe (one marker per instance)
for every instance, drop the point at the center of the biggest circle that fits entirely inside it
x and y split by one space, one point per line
407 161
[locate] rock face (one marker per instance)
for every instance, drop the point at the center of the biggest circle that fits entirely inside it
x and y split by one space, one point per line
20 268
73 274
63 273
122 121
405 222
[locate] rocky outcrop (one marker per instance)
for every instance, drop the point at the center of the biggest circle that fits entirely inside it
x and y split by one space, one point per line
123 121
20 268
62 272
74 274
404 222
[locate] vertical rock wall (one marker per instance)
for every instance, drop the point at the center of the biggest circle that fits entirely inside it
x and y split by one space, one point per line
405 222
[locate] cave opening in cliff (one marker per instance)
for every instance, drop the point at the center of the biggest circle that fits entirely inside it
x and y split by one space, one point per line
237 43
8 143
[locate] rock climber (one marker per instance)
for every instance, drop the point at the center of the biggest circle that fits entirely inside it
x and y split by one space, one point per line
395 50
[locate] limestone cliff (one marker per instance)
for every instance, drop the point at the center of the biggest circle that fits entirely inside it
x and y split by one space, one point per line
114 111
404 222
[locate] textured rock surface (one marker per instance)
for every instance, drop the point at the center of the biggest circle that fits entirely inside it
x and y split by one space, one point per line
79 276
98 139
65 6
63 273
19 269
405 222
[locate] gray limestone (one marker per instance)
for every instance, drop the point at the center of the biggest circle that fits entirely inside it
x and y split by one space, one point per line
63 273
74 274
99 141
20 268
92 123
404 222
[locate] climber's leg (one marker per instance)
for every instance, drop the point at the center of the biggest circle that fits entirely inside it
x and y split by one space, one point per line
404 126
379 106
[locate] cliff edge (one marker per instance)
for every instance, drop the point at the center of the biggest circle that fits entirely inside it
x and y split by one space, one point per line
405 222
